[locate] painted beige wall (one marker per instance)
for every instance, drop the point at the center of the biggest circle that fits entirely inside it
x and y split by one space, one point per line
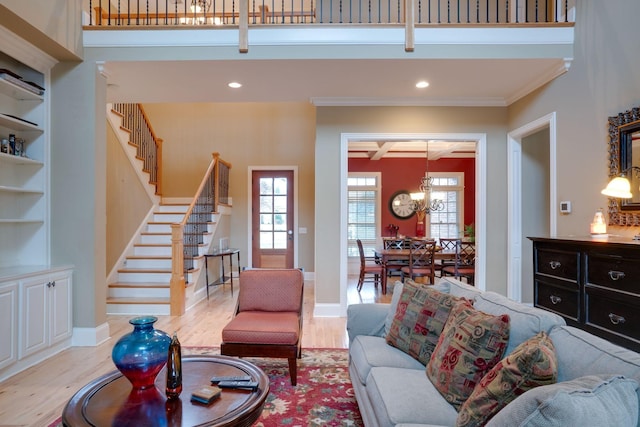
603 80
55 26
333 121
127 200
246 135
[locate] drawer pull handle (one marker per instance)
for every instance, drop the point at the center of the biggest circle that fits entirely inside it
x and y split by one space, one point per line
555 264
555 299
616 275
615 319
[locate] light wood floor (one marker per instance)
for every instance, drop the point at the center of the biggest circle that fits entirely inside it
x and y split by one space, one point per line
37 396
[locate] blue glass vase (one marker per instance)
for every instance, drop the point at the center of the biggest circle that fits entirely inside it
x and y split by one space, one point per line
142 353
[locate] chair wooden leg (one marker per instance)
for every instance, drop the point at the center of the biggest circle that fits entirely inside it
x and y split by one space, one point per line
293 371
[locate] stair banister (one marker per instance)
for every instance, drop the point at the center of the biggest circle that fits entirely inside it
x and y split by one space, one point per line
180 263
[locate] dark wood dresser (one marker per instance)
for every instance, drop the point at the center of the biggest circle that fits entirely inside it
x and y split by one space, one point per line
593 282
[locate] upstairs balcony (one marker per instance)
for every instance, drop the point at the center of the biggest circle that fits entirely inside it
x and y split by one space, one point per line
492 52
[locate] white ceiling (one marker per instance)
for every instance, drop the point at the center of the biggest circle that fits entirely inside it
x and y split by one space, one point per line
472 82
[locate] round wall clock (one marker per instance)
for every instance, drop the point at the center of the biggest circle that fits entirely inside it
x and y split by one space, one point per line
400 205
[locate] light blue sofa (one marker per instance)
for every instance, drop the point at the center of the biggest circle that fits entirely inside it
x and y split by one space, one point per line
595 377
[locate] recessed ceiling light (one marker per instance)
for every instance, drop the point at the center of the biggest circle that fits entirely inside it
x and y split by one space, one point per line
234 85
422 84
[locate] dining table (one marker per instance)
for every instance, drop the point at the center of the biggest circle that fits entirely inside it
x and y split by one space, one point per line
386 255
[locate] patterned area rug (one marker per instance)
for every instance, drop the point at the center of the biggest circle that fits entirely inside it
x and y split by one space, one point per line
323 397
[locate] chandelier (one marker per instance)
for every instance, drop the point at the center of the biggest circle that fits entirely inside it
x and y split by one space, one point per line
200 6
422 201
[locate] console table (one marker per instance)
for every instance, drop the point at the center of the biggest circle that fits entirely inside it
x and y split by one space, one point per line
223 279
593 282
111 401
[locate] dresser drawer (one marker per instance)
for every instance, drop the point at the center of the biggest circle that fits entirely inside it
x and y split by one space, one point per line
563 301
614 313
557 263
613 272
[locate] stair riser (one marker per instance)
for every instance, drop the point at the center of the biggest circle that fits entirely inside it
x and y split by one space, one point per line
144 277
139 309
168 217
152 250
159 228
148 263
153 239
139 293
173 208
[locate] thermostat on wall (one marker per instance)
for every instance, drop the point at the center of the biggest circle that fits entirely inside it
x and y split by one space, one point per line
565 207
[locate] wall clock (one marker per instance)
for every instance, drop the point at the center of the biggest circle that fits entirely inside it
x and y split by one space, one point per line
400 205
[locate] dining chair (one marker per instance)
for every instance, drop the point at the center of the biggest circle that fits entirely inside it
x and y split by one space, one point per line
394 266
421 260
447 245
464 265
370 272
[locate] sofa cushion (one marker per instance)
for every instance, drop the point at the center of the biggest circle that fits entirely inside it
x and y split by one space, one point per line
420 316
580 352
457 288
367 352
532 364
395 297
594 400
406 396
525 321
471 343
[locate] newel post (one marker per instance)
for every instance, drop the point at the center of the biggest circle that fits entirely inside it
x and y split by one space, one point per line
177 286
409 25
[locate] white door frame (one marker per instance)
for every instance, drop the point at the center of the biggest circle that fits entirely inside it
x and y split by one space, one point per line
250 170
514 197
480 194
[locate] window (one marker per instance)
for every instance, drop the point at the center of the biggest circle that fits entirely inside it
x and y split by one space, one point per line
363 215
448 187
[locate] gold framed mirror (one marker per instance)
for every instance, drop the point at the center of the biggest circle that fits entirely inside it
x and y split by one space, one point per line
624 132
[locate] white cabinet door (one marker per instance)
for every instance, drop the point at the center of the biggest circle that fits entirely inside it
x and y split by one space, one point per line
8 323
34 314
60 326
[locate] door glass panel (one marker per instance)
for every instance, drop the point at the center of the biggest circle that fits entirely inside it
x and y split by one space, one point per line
266 240
266 223
280 204
266 185
280 222
280 240
280 186
273 213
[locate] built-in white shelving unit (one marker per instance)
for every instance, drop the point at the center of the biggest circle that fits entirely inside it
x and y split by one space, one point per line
35 296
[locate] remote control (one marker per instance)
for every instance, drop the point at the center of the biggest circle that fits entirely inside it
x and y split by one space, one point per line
231 378
239 384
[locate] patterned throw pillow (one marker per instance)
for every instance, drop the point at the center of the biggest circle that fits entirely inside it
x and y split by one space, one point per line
471 343
533 363
420 316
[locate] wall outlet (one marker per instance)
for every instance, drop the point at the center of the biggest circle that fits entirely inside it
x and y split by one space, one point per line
565 207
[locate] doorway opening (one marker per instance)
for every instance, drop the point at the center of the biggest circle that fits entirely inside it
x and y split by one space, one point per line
532 173
479 140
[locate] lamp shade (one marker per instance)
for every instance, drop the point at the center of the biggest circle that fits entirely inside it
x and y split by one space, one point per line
417 196
618 187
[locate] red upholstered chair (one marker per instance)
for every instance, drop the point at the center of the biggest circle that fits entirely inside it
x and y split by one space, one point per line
268 317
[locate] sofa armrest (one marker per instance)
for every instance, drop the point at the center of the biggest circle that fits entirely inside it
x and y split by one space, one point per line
366 319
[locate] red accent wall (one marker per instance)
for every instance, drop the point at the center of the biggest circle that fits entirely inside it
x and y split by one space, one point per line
405 174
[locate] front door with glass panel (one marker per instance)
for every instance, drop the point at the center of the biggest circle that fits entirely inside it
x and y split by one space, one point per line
272 219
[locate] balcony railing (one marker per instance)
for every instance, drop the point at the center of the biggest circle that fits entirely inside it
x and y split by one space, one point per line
215 13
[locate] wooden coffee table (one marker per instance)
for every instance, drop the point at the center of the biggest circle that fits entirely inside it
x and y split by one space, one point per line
110 399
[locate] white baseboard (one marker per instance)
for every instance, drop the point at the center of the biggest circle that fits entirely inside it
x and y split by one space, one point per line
328 310
90 337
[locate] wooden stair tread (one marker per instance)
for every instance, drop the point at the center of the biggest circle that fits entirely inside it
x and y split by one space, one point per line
154 257
144 270
152 244
138 300
145 285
